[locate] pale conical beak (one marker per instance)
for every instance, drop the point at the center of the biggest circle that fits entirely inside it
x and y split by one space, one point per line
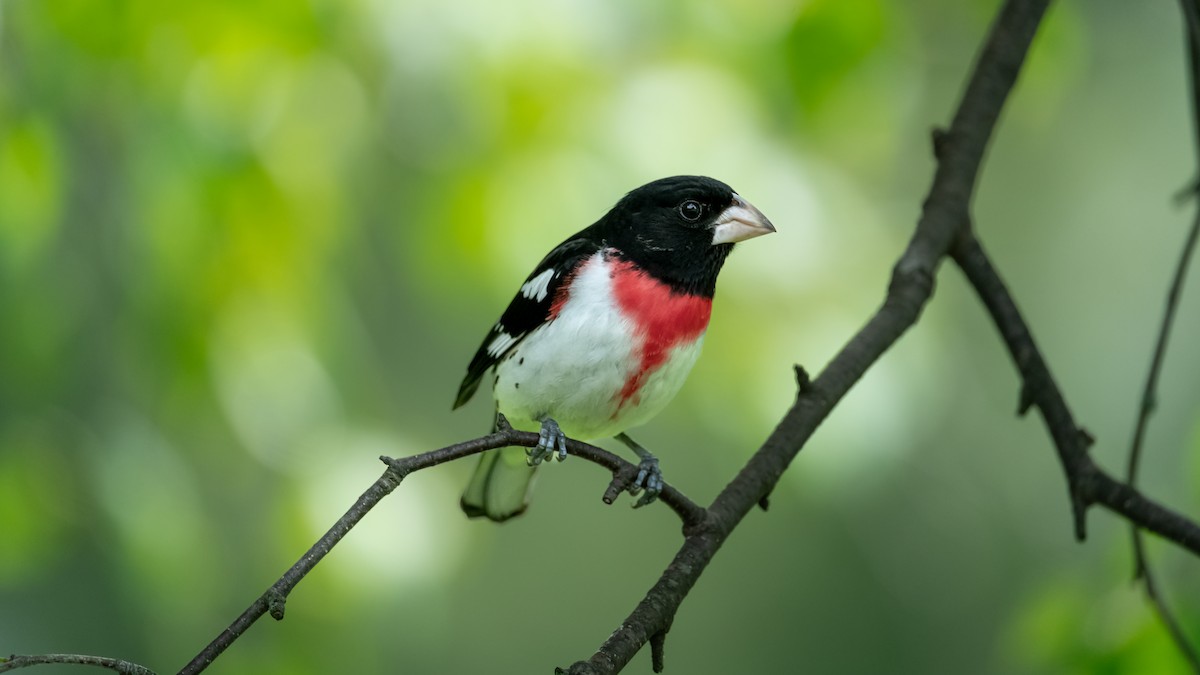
740 222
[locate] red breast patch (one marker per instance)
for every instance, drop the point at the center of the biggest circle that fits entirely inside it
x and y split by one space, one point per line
662 318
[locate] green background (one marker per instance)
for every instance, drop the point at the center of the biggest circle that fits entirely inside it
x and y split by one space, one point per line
248 247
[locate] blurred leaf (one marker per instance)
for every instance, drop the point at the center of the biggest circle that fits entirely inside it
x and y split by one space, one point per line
829 39
35 504
30 190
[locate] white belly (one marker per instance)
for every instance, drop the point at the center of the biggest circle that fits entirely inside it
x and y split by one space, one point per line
573 368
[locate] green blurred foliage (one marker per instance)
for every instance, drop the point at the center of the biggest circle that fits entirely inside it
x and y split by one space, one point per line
248 247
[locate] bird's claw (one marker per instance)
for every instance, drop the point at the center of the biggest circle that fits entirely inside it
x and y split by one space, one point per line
551 446
650 479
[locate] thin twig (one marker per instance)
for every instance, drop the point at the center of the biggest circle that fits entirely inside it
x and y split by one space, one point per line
1165 615
1150 392
26 660
1142 568
275 597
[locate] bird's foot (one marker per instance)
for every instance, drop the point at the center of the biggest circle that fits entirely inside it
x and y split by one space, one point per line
649 475
551 446
650 479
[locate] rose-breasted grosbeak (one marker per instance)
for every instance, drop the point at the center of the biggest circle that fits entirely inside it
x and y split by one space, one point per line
602 334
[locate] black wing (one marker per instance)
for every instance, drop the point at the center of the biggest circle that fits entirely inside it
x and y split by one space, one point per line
529 309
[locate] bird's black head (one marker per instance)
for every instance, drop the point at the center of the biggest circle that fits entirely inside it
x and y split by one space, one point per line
680 229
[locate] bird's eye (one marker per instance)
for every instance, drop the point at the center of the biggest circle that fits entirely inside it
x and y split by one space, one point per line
691 210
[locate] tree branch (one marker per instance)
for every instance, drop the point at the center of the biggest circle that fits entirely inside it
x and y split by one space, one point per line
26 660
959 151
1088 483
274 599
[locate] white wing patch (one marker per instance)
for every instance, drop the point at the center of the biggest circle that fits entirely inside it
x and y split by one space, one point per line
537 287
501 342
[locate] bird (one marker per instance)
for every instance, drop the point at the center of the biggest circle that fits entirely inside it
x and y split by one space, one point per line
604 331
